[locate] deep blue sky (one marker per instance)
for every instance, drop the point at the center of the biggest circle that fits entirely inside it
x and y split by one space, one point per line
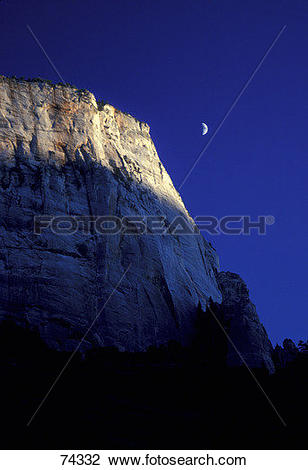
175 63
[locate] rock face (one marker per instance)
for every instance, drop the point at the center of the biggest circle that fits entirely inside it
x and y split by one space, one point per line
282 356
61 155
242 323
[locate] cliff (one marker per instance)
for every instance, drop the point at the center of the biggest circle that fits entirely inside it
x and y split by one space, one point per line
243 325
63 155
286 354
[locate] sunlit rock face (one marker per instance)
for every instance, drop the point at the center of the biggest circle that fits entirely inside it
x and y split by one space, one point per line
243 325
61 155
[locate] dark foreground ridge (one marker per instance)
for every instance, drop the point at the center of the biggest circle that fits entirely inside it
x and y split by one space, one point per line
164 398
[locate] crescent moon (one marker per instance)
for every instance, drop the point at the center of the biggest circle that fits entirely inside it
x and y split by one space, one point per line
204 128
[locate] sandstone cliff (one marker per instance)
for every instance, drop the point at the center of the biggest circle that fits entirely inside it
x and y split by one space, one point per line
59 155
286 354
242 323
62 154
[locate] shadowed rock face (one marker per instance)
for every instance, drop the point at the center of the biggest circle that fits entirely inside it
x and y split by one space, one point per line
282 356
60 155
243 324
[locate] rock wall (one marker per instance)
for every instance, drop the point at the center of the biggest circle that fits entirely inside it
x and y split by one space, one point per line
243 325
282 356
61 155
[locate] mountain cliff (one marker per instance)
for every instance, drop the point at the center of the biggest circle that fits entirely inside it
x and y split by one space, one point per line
63 155
242 324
